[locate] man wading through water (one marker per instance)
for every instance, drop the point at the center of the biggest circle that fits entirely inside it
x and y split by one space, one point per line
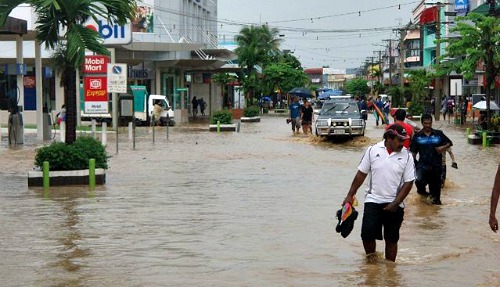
392 173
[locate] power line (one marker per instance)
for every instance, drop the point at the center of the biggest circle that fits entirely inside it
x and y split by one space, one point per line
345 14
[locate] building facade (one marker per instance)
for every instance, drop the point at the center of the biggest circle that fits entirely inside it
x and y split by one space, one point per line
173 51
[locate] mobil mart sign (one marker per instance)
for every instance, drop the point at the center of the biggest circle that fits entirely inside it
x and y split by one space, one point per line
95 64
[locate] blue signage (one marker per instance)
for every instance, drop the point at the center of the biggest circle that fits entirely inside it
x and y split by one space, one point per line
462 7
15 69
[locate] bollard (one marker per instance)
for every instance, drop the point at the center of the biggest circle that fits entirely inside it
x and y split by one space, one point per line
46 178
92 173
104 138
153 129
133 131
218 126
62 131
94 123
238 127
168 124
130 131
485 139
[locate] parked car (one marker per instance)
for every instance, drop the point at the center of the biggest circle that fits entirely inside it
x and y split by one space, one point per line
340 117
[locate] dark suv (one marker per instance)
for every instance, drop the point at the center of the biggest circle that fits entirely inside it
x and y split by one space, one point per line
340 117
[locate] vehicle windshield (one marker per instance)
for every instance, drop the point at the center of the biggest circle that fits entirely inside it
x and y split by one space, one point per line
330 109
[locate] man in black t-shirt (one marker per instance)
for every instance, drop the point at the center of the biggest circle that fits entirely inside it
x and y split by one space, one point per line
306 117
429 144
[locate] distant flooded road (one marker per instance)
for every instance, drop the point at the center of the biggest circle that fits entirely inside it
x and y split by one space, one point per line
254 208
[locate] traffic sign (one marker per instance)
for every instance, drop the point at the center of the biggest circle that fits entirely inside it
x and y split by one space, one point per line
117 78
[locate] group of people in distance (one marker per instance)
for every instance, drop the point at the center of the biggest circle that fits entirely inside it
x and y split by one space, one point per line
301 116
198 103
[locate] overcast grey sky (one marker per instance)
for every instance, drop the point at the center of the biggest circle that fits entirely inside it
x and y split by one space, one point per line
352 30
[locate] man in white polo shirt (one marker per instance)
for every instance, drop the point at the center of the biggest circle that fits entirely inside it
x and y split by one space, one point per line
392 172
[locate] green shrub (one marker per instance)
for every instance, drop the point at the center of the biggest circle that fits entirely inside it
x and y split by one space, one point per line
416 108
76 156
224 116
252 111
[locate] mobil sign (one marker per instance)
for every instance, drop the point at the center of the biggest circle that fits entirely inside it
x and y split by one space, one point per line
111 33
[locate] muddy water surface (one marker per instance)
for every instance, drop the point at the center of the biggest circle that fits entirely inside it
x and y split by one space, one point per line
254 208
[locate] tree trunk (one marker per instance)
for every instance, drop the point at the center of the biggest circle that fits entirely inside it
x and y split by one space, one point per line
70 101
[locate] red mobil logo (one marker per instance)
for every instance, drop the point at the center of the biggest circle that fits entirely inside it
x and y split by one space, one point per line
112 33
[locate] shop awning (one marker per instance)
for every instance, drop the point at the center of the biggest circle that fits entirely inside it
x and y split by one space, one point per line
429 15
14 26
485 8
412 35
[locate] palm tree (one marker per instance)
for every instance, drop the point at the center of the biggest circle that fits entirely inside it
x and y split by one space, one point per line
73 39
256 47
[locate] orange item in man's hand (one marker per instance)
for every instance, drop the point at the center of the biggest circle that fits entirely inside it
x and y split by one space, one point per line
346 211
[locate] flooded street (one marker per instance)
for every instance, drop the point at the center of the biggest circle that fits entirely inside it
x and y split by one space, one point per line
254 208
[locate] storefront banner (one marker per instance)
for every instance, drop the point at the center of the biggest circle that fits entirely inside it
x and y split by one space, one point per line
95 95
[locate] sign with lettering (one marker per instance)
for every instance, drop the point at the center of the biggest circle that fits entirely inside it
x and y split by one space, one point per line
95 95
95 64
117 78
462 7
111 33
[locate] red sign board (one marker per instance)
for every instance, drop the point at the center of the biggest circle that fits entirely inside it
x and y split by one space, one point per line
95 89
95 64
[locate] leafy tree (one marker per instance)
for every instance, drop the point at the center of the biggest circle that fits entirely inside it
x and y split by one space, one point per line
478 43
418 86
397 93
73 39
357 87
287 58
283 77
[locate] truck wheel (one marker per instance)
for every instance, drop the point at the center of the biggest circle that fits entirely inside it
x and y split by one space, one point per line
171 123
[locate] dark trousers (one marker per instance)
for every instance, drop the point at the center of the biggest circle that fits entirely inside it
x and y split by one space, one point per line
429 176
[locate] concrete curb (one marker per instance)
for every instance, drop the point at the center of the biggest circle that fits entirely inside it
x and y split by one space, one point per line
67 177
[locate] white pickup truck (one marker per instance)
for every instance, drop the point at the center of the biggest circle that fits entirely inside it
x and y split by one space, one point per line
143 108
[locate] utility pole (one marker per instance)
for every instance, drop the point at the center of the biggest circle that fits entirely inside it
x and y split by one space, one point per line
490 69
437 85
390 61
380 76
371 75
402 35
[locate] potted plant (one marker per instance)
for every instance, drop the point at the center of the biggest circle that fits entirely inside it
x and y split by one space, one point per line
69 164
222 120
251 114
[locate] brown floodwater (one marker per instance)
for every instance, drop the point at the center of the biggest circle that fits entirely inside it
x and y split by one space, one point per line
248 208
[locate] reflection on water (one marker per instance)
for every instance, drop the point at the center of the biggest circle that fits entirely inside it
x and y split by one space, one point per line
254 208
